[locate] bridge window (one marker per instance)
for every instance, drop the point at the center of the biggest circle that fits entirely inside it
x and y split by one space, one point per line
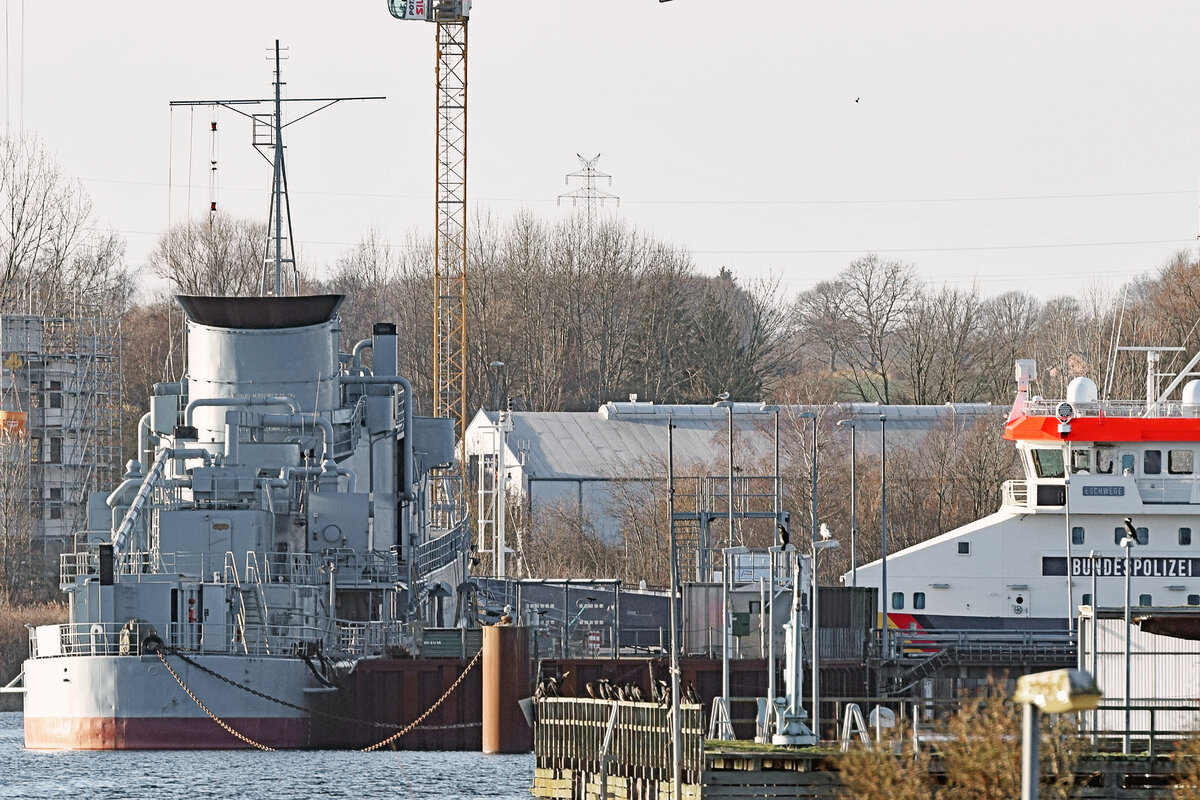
1145 600
1193 600
918 600
1185 536
1127 462
1081 460
1087 599
1077 535
1104 461
1180 462
1152 462
1048 463
1143 535
964 548
897 601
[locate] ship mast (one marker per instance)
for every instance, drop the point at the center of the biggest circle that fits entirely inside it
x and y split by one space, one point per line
267 134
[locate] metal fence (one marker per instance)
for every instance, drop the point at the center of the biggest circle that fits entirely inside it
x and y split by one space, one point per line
570 733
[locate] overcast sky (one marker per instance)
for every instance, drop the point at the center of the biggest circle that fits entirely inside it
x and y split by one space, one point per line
1019 145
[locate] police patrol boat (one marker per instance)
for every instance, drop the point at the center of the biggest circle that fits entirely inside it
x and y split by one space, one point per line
1105 483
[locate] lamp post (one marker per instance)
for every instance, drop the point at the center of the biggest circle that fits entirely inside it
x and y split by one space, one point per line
849 423
1127 542
827 542
883 587
676 732
1053 692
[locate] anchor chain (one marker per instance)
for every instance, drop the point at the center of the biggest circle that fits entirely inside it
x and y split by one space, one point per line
228 728
242 737
428 711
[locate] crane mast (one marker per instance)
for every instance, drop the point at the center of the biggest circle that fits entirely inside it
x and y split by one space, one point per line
450 239
450 204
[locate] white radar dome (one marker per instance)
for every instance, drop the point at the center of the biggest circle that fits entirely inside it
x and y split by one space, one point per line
1191 398
1081 390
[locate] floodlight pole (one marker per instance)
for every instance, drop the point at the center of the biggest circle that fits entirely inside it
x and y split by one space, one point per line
676 727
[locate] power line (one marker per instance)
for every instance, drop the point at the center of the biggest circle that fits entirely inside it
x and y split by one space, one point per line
978 248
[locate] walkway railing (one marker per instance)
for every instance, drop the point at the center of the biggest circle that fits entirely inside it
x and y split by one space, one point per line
569 735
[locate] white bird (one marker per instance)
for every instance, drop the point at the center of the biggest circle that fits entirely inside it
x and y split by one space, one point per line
826 534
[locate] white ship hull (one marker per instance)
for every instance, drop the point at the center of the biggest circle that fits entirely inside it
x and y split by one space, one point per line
133 703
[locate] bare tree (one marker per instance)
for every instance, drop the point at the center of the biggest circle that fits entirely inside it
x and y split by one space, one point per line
51 256
856 319
218 255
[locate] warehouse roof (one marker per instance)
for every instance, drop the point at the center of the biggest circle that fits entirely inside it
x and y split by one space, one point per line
620 437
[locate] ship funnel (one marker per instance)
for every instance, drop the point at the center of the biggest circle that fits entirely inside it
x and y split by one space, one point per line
1081 391
1191 398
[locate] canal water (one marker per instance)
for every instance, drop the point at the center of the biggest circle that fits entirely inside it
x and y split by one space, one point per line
254 775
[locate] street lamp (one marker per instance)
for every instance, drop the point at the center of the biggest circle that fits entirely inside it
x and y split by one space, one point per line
1127 541
827 542
1053 692
849 423
883 587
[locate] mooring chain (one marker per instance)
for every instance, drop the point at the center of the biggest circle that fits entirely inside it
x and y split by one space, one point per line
314 712
428 711
205 709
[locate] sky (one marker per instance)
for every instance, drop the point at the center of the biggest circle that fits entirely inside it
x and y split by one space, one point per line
1046 147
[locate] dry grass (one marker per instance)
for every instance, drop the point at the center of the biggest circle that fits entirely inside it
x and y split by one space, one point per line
1187 766
14 640
981 758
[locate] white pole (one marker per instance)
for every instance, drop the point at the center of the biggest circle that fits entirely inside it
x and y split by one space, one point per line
816 650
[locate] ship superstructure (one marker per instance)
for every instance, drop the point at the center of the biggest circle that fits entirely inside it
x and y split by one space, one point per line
277 526
1059 539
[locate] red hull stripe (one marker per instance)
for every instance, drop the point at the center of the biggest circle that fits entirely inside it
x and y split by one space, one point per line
1106 429
160 733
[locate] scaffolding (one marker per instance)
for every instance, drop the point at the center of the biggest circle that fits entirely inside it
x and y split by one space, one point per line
63 375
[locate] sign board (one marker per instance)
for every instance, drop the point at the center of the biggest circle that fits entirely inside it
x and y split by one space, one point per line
1114 567
411 9
593 639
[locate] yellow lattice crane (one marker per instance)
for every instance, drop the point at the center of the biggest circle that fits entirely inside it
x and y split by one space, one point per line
450 203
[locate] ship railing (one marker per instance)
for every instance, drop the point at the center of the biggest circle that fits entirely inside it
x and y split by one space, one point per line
1110 408
90 639
239 639
1166 490
377 637
290 568
86 562
437 553
360 568
923 644
1016 493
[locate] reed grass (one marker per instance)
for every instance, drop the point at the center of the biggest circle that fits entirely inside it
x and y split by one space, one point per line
14 640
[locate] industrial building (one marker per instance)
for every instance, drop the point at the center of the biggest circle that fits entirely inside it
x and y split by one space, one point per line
60 398
576 456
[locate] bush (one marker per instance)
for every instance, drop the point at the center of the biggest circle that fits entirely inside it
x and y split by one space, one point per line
981 756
